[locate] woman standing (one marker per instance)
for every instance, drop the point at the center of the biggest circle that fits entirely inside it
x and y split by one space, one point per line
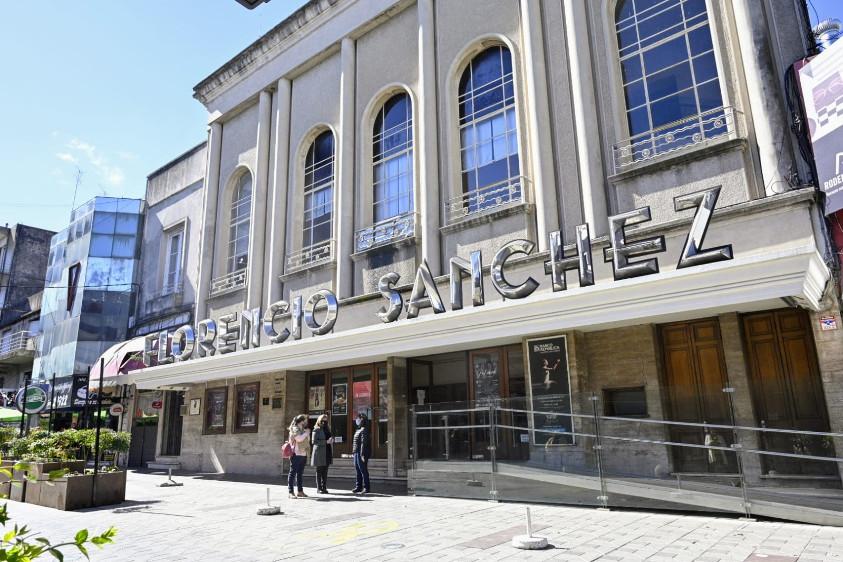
301 447
322 456
361 450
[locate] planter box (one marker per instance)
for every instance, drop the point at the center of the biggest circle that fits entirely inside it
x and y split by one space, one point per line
42 470
67 493
33 492
110 488
17 491
5 481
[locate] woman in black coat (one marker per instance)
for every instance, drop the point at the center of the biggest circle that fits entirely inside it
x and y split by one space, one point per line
321 455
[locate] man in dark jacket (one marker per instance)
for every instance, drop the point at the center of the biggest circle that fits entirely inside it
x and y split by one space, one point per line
361 450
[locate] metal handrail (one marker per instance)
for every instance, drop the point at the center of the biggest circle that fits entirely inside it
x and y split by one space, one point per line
486 199
228 282
315 254
18 341
385 232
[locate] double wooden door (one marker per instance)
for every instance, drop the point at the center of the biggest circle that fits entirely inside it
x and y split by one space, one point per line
695 374
787 390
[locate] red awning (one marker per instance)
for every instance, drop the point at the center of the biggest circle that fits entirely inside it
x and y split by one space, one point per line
119 360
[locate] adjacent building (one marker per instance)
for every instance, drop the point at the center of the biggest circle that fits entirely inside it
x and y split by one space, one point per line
23 262
555 205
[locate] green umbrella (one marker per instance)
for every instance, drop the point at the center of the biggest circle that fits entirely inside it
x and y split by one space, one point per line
9 415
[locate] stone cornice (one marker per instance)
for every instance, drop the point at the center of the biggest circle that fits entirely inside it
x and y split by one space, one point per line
265 48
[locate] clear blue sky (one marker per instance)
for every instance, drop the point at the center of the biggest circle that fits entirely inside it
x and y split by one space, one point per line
106 86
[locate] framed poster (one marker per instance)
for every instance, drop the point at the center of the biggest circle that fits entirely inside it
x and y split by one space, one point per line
316 398
339 399
486 374
216 410
246 408
195 406
549 391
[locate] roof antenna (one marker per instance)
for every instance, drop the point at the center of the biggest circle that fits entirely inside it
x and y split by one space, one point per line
79 173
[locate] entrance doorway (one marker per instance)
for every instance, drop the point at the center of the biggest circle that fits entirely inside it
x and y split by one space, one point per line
695 376
172 424
342 394
787 390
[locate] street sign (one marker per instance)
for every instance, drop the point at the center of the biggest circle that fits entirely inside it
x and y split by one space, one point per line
37 399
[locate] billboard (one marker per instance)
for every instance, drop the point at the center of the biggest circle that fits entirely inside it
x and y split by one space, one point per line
822 93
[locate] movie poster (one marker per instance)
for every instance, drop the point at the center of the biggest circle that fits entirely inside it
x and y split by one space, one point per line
550 391
316 399
339 399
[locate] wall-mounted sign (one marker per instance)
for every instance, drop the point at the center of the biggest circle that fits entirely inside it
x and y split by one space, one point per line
195 406
822 94
339 399
316 398
116 409
251 329
550 391
828 323
37 399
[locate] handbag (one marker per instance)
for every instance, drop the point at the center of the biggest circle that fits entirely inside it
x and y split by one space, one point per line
288 451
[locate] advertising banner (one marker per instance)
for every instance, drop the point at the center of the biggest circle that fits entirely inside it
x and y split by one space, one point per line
70 392
550 391
822 93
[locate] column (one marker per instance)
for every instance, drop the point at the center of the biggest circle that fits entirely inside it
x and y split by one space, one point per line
764 91
587 128
428 143
257 245
209 219
278 199
398 447
538 122
344 235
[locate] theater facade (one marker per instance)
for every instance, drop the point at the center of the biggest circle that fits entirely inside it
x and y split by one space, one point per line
574 208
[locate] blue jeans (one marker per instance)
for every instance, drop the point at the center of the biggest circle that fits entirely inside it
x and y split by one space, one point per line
362 469
297 463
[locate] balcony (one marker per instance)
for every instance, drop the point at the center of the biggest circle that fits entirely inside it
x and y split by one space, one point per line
19 347
314 255
485 200
673 137
231 282
385 232
169 297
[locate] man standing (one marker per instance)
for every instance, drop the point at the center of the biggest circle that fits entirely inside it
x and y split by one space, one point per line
361 449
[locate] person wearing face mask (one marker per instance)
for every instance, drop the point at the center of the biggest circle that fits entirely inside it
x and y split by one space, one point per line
361 450
322 455
299 434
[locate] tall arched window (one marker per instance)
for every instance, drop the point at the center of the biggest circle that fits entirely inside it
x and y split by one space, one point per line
318 190
392 159
238 230
670 79
488 133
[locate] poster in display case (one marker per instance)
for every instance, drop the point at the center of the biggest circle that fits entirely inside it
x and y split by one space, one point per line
550 391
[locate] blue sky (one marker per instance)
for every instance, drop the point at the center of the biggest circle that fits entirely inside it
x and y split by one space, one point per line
106 87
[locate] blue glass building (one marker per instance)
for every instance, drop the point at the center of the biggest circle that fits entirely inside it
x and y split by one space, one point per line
91 285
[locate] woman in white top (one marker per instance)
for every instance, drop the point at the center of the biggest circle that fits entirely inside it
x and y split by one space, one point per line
299 434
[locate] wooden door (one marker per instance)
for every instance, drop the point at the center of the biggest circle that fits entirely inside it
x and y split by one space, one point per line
786 390
695 376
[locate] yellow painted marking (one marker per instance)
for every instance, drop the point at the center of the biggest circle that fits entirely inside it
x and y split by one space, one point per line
354 531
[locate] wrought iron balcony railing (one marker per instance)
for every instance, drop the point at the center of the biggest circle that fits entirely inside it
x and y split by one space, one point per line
316 254
229 282
385 232
485 199
673 137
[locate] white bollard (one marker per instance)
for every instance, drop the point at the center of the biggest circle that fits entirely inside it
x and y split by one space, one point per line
269 509
528 541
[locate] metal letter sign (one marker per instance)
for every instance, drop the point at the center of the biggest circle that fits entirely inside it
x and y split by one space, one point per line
692 253
245 329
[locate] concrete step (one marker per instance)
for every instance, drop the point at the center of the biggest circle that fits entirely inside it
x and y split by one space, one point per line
164 463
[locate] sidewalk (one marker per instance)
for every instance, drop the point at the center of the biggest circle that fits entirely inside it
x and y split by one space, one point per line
215 520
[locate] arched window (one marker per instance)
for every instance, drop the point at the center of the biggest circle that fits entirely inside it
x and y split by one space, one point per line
318 190
670 79
392 159
488 133
238 230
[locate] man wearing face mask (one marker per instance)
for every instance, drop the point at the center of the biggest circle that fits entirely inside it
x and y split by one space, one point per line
361 451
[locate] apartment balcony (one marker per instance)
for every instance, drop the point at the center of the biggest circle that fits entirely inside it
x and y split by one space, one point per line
485 200
228 283
716 124
18 348
312 256
168 298
384 233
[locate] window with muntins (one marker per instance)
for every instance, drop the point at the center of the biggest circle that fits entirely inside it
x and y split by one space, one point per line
173 259
392 160
488 132
318 190
238 233
670 78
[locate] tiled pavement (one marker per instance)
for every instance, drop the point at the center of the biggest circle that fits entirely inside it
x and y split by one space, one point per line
207 520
